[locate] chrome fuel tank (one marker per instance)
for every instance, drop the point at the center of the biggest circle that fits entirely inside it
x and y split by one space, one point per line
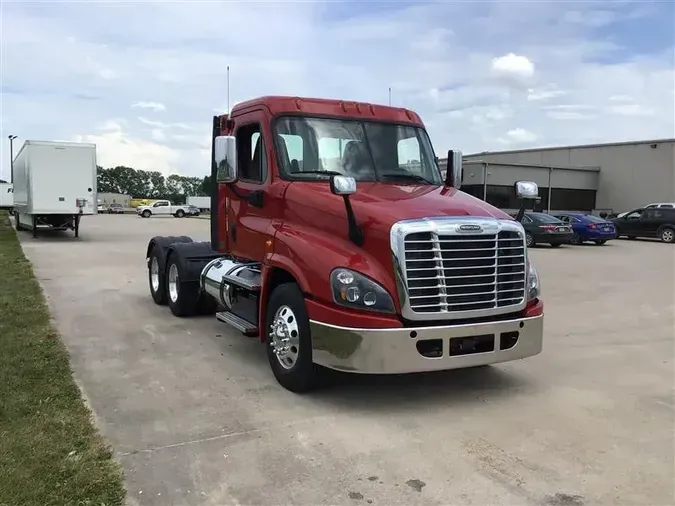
223 277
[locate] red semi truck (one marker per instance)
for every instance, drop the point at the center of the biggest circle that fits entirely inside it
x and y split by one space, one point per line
337 242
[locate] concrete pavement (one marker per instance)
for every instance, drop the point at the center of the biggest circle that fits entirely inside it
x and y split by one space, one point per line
196 417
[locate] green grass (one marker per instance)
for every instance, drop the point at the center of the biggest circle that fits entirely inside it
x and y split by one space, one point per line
50 451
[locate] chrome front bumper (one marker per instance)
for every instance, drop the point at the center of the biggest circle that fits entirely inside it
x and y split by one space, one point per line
394 351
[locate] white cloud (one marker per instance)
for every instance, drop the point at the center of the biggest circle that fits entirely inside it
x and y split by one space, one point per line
521 136
631 110
107 74
114 146
160 124
513 69
155 106
545 94
558 81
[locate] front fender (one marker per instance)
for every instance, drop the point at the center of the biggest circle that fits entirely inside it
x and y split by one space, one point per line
310 255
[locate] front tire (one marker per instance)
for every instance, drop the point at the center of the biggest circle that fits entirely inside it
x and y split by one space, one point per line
288 339
146 214
555 245
576 239
600 242
529 240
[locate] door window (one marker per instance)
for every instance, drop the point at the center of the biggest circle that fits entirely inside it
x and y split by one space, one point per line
251 154
635 215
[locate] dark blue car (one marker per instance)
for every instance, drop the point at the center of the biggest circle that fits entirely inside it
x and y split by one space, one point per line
588 228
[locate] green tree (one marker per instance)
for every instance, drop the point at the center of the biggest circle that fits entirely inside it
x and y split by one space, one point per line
151 184
207 186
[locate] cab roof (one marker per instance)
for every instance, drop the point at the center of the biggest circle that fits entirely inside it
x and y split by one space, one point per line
279 105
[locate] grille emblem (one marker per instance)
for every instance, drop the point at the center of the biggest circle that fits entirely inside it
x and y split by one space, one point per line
470 228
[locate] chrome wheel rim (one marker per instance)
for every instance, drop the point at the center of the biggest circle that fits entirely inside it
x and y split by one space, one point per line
285 337
173 283
154 274
668 235
528 240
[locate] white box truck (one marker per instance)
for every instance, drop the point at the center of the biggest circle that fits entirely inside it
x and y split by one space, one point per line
201 203
54 185
6 196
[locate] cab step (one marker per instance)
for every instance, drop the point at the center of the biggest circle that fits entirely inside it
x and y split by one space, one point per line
244 326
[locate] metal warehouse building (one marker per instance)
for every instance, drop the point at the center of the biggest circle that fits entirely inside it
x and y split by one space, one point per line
114 198
611 177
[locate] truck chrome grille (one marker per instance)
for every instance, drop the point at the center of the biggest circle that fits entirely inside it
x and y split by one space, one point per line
452 273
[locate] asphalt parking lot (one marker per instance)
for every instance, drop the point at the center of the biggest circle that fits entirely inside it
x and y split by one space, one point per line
196 417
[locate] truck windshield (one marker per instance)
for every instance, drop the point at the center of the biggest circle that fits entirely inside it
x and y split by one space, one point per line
314 148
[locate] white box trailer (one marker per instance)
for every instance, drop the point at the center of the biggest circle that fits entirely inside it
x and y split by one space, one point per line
6 196
54 185
201 203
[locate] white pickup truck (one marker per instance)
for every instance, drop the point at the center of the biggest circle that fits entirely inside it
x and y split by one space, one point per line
162 208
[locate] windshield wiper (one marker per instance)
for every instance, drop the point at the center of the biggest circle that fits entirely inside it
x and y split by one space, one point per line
321 172
409 177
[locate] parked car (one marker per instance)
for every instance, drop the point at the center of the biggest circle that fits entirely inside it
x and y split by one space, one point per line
115 209
100 208
667 205
162 208
587 227
654 222
544 228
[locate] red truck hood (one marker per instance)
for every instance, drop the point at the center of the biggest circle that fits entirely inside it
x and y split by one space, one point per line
378 206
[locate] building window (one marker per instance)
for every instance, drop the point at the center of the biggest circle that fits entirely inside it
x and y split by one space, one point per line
567 199
562 199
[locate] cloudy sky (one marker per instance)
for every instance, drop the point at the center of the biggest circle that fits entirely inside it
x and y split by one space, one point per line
142 80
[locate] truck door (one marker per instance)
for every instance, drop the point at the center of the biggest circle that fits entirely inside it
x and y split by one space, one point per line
248 212
161 207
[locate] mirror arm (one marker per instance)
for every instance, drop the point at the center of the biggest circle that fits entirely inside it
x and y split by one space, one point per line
355 232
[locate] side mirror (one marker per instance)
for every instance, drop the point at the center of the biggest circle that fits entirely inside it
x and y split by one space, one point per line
342 185
225 158
453 172
526 190
345 186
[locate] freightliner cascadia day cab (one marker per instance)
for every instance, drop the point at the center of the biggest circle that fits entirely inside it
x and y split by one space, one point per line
54 185
337 243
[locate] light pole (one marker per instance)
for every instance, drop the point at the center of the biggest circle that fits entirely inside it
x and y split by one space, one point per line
11 157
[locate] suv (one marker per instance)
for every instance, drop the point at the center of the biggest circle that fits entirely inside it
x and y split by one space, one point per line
653 222
667 205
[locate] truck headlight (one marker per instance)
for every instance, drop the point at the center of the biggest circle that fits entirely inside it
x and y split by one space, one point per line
354 290
533 286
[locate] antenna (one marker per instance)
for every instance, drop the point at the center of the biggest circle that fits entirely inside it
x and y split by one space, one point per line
390 96
228 89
